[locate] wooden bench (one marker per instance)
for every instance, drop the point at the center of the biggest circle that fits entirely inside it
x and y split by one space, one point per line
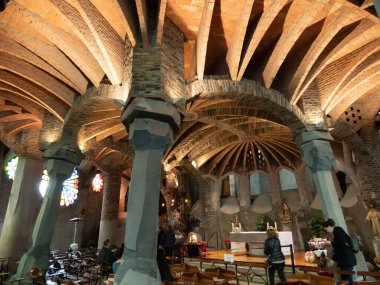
4 269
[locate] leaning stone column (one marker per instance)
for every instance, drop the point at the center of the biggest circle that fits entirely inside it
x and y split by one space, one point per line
110 207
244 191
318 156
60 164
24 202
151 123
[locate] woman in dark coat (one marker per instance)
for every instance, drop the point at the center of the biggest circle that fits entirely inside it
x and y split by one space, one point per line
276 259
343 254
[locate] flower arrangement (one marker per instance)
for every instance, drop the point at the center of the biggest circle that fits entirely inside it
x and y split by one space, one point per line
317 243
377 260
203 248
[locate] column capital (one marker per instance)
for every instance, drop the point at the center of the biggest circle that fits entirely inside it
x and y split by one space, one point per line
305 137
66 158
148 108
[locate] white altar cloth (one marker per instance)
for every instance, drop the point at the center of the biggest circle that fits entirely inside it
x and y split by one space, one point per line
256 241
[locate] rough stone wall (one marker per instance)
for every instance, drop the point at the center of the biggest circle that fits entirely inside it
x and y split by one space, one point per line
111 196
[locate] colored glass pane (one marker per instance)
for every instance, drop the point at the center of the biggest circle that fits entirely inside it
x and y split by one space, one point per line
11 167
97 182
44 183
70 189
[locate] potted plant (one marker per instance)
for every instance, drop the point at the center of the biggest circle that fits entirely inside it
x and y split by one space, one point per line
261 223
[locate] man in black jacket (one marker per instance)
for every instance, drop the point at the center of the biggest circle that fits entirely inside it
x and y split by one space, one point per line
343 254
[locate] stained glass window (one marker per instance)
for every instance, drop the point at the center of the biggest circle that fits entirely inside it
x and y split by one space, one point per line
44 183
97 182
70 189
11 167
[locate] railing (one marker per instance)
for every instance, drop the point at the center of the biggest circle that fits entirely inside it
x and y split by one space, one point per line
217 239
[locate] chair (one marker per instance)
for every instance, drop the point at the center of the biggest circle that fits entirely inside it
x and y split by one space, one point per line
4 269
224 275
311 279
196 278
184 267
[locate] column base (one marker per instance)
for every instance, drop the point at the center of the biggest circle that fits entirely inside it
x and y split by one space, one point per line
36 256
142 271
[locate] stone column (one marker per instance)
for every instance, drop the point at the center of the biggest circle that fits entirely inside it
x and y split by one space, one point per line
151 123
59 165
24 203
318 156
109 219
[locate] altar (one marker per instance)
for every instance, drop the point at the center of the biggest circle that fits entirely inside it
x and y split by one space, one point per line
256 241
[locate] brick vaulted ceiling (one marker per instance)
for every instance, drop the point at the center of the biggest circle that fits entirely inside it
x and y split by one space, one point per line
51 51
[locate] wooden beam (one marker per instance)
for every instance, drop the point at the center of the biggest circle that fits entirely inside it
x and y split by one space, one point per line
203 35
288 39
161 20
143 20
265 21
237 40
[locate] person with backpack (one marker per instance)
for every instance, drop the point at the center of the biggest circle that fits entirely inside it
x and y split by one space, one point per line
344 256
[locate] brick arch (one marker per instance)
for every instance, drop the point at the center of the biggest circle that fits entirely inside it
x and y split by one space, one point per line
85 105
252 93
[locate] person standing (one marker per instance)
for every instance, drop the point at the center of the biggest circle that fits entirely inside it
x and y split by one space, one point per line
276 259
343 253
169 241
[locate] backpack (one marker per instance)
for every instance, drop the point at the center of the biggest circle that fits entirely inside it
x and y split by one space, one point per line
355 243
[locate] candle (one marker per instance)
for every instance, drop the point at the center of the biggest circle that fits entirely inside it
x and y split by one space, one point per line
275 225
267 225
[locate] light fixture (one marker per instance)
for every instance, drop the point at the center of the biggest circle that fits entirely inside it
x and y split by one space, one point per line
194 163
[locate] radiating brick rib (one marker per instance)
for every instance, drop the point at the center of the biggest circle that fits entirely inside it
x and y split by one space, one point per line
88 132
67 43
347 99
366 4
223 126
217 158
237 40
363 34
203 158
49 53
8 46
109 42
119 135
334 23
266 160
227 159
38 95
253 154
161 18
265 21
143 20
22 127
37 76
119 15
21 99
18 117
355 61
82 25
98 117
12 108
109 132
270 148
287 40
236 157
203 36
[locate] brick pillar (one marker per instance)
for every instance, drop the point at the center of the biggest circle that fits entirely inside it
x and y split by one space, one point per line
59 165
24 203
110 207
244 191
